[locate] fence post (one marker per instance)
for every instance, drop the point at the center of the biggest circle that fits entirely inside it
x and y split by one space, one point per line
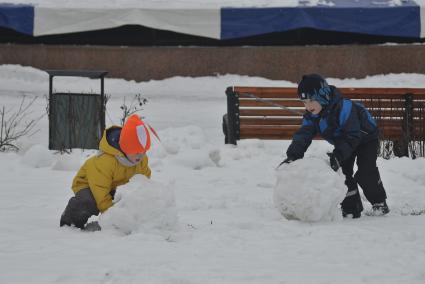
50 115
407 126
233 127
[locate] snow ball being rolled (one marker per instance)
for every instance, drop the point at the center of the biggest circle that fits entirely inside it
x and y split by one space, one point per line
142 205
309 190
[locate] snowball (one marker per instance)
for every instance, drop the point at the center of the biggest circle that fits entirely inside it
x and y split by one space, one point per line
38 156
309 190
143 205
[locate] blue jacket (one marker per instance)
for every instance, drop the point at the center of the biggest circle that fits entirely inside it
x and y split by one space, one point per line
343 123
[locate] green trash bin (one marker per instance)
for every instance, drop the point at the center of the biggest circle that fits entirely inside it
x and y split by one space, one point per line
76 120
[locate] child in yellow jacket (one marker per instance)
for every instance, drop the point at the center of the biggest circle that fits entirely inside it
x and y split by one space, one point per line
122 154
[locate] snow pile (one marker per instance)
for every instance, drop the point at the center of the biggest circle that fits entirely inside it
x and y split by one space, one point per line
70 161
187 147
229 155
142 205
308 190
38 156
404 182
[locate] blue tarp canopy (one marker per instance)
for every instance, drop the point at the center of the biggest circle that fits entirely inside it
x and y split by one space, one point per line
371 17
17 17
365 17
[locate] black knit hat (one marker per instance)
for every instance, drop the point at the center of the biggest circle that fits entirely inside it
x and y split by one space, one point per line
314 87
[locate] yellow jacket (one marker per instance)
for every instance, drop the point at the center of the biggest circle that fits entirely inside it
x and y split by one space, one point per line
107 170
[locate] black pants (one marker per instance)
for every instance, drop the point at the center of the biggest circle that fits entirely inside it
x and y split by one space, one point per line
367 175
79 209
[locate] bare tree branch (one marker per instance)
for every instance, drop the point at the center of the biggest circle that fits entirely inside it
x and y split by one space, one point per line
15 125
134 107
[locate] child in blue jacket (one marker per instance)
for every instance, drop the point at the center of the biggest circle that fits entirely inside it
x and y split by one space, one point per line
353 132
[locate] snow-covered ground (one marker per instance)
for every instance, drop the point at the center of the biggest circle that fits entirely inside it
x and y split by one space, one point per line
208 214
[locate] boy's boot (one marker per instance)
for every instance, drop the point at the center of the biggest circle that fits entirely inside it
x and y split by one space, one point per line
65 220
352 204
381 208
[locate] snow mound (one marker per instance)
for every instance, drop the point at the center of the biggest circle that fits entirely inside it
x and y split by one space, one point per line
182 138
230 155
188 147
68 162
142 205
308 190
38 156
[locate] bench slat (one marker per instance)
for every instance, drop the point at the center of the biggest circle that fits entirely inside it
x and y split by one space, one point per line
383 123
266 112
283 136
285 103
299 104
380 96
373 104
270 121
378 113
288 132
417 92
393 96
269 131
292 91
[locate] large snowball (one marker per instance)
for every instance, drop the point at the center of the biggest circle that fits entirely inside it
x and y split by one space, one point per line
143 205
309 190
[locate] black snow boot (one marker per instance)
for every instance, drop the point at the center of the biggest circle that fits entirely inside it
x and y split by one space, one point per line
379 209
352 204
354 210
65 220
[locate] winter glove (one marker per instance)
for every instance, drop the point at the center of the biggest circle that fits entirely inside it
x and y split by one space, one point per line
334 162
286 161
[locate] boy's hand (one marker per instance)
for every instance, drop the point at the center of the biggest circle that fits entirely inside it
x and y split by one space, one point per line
286 161
335 164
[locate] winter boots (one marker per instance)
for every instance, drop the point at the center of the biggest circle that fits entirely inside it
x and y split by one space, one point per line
352 204
379 209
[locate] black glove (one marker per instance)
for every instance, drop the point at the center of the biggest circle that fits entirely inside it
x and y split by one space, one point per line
286 161
333 160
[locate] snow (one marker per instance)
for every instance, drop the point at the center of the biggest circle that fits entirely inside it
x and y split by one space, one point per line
208 214
311 199
142 206
38 156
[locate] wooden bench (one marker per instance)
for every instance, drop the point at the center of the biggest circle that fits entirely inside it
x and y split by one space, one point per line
276 113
